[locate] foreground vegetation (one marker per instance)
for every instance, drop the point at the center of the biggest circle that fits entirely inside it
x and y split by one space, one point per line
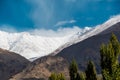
109 64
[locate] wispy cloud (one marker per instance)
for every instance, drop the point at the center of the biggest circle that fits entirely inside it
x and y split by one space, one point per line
61 32
60 23
8 28
46 13
42 12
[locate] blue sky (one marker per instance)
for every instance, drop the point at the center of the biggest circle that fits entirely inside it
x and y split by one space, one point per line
24 15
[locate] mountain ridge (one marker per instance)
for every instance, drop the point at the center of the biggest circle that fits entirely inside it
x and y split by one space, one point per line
94 31
31 46
82 52
88 49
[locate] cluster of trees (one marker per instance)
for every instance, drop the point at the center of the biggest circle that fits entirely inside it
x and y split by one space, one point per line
109 64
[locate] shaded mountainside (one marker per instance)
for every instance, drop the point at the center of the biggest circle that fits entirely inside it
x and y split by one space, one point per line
42 68
88 49
11 64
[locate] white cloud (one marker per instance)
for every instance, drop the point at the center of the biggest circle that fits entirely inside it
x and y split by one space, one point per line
45 13
72 21
61 32
60 23
7 28
41 12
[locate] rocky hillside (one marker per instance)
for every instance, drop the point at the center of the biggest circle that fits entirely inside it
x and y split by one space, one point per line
11 64
42 68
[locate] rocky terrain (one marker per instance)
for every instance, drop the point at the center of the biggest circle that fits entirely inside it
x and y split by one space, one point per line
42 68
11 64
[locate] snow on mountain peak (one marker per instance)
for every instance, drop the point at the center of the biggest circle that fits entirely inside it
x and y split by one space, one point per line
29 45
99 28
33 46
88 32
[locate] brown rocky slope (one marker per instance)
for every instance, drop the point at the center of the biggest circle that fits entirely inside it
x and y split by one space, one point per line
42 68
11 64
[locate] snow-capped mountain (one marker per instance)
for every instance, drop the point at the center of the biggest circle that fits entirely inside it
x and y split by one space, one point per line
98 29
32 46
87 48
78 37
83 51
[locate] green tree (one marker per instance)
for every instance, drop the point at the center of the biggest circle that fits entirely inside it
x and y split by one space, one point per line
91 72
80 76
61 77
73 70
109 59
57 76
53 76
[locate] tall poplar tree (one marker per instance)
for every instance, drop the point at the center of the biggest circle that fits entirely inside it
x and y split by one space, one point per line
91 72
109 59
73 70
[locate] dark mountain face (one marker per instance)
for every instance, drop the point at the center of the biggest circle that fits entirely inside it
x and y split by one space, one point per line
11 64
89 49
